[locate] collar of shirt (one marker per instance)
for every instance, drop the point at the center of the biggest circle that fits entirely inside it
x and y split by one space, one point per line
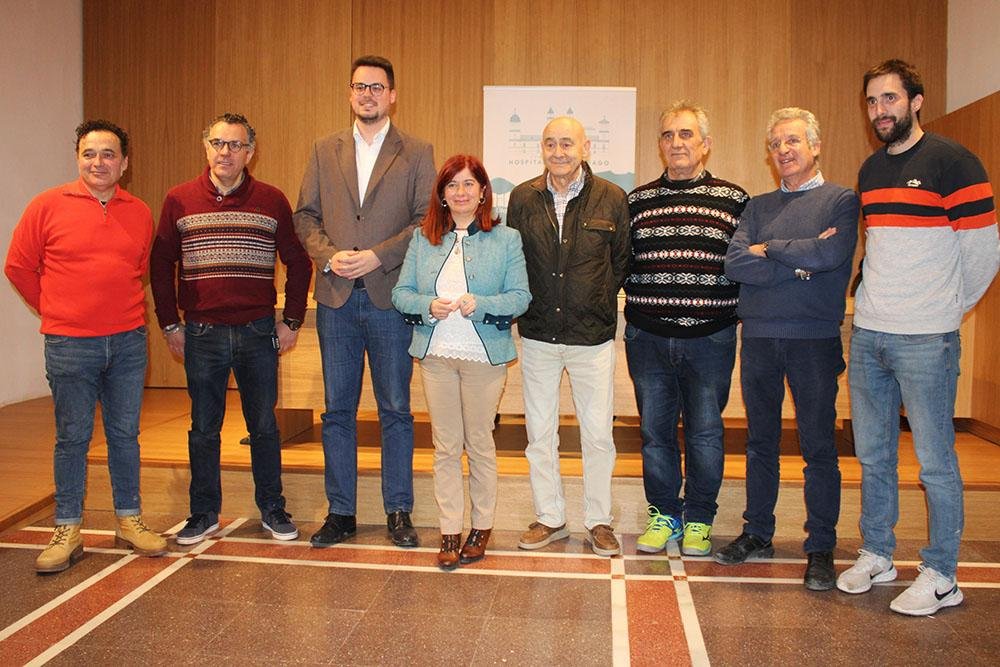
813 182
562 199
365 155
224 191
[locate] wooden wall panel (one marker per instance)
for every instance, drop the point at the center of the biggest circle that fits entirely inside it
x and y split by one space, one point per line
440 51
975 126
286 66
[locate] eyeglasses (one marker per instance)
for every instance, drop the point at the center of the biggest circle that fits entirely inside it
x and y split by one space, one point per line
234 145
359 88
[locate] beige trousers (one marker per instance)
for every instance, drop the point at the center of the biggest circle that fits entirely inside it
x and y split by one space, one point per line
462 397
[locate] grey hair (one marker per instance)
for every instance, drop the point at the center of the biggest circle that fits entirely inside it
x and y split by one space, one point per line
795 113
232 119
700 115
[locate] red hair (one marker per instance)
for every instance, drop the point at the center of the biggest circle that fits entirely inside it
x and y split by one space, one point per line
438 220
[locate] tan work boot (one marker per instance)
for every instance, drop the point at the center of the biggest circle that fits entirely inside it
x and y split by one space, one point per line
65 548
131 531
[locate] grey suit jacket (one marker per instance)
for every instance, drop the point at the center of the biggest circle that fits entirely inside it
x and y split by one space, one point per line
328 217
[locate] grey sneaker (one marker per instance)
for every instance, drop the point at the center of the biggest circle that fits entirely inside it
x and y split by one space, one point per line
867 570
198 527
279 523
931 591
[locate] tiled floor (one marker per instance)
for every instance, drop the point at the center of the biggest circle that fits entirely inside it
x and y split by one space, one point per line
242 598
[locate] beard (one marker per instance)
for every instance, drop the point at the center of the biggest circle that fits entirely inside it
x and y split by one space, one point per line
896 133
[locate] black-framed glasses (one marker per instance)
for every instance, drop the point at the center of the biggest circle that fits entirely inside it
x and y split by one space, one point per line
359 88
234 145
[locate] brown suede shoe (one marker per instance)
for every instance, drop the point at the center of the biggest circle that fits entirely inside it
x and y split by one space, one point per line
448 556
603 541
539 535
475 546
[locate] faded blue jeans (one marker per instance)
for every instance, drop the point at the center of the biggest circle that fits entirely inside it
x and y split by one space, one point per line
82 371
687 377
345 335
920 372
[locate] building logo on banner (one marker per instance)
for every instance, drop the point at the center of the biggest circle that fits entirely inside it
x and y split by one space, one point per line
514 117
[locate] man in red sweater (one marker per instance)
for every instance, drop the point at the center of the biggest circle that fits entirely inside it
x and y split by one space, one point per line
219 236
77 257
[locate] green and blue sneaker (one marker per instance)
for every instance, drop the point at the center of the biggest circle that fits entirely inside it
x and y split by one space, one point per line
697 539
660 529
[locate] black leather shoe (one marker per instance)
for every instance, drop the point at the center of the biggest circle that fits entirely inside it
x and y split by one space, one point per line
744 548
336 528
819 572
401 530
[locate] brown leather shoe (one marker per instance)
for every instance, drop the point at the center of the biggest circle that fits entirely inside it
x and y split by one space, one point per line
475 546
603 541
448 556
539 535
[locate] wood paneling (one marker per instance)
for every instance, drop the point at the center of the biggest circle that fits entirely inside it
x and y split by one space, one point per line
975 127
164 69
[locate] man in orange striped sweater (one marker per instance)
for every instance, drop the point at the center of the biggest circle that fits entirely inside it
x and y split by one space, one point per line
931 253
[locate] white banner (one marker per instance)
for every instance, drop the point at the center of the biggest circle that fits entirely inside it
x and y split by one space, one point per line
514 117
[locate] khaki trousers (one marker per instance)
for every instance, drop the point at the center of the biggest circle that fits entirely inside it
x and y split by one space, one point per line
462 397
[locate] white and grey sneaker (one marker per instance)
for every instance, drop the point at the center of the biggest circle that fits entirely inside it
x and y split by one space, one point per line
869 569
931 591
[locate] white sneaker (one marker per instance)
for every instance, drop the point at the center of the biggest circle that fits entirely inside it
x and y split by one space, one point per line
931 591
869 569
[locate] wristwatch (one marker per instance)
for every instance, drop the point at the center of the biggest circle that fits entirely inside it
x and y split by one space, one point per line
764 248
293 325
171 328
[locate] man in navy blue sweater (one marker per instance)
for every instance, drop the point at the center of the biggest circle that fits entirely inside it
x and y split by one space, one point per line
792 254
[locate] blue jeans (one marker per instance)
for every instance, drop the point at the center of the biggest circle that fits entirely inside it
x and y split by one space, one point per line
812 367
250 352
345 334
81 372
689 377
920 372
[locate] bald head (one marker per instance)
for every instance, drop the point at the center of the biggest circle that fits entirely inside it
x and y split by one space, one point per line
565 146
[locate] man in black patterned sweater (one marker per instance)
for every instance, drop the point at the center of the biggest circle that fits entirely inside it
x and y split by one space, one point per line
680 337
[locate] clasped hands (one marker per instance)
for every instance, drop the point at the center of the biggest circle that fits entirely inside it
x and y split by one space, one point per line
441 308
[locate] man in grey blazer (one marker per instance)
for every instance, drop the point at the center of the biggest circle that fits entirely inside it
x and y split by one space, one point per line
363 192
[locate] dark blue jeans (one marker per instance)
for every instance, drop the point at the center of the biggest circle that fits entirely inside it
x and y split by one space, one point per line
81 372
687 377
812 367
345 334
211 351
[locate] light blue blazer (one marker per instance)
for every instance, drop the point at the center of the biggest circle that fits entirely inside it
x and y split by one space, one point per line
494 272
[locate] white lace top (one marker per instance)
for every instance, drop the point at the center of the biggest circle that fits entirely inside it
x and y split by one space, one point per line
455 337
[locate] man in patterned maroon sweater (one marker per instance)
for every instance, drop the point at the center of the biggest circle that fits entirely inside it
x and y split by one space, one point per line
218 236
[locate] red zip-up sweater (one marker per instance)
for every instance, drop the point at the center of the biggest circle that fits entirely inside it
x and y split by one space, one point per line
80 264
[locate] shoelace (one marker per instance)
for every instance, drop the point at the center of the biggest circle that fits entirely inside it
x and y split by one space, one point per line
137 524
925 581
475 538
700 531
61 535
195 520
277 516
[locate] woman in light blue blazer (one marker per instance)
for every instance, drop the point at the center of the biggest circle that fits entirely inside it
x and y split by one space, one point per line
462 284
